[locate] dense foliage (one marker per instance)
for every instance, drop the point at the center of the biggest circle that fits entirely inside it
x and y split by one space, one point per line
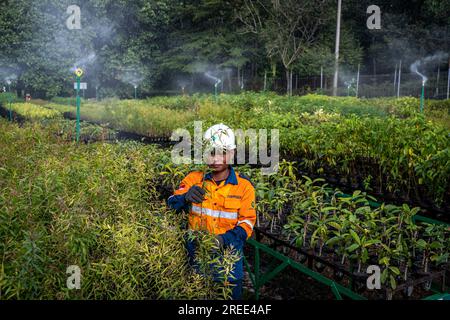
96 206
101 206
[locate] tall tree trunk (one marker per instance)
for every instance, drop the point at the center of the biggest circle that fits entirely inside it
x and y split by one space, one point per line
288 82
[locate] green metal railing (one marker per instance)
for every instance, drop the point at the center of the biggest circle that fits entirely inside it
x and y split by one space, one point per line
259 279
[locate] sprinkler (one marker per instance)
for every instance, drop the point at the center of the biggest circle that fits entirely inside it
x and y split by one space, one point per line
422 94
414 68
78 73
218 81
135 92
215 88
349 85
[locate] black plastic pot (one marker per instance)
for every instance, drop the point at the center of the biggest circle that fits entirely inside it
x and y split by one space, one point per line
338 275
302 258
408 291
319 266
427 285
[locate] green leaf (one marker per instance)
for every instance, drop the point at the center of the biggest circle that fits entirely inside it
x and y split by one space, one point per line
422 244
384 275
393 282
353 247
335 225
436 245
384 260
395 270
371 242
333 240
326 209
356 237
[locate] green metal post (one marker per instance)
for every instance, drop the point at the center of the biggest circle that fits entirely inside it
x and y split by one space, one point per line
78 108
259 279
422 97
257 261
135 92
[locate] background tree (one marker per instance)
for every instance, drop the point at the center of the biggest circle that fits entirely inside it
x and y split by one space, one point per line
287 28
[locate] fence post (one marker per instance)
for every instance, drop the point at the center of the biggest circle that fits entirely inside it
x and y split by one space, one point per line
357 81
448 79
395 79
437 82
321 77
399 77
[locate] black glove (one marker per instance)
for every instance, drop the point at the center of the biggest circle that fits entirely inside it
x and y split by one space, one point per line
195 194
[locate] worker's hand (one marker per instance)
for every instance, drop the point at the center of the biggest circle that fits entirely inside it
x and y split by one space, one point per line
195 194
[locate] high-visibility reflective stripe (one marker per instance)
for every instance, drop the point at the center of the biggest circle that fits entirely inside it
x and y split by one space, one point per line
247 222
214 213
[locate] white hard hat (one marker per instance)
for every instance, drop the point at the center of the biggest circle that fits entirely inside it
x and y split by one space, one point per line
220 136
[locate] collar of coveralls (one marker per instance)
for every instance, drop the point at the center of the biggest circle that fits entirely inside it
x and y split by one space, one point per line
230 179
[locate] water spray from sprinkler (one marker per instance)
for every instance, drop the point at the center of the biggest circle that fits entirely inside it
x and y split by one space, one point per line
217 82
349 85
84 62
133 77
182 84
8 82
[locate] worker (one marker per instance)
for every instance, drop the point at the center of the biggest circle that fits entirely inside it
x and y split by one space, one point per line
221 202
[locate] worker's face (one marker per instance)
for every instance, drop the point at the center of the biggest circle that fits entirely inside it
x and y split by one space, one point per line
219 160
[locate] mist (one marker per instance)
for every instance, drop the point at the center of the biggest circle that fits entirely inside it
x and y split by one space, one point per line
422 63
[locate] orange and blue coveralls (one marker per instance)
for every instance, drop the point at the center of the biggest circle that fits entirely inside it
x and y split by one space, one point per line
228 210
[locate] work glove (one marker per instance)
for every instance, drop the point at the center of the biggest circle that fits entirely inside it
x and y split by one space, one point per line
195 194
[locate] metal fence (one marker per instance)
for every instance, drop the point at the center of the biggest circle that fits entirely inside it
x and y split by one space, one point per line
368 86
